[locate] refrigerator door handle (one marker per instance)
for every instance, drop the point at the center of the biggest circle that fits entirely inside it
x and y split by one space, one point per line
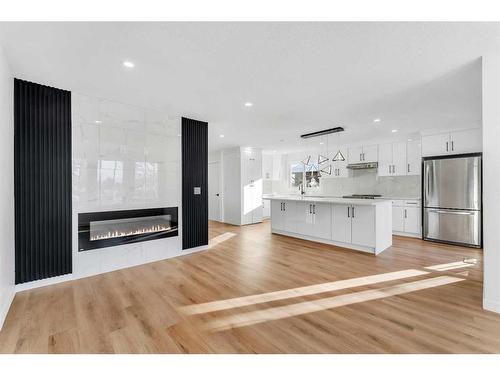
451 212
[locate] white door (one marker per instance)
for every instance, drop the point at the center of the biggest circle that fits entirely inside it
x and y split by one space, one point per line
341 223
436 144
398 222
304 218
277 215
370 153
363 225
413 158
385 159
355 155
214 208
399 159
465 141
266 208
322 213
412 219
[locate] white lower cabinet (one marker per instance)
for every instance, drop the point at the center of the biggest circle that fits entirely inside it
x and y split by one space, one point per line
322 213
314 219
341 223
363 225
283 214
398 222
406 218
412 219
354 224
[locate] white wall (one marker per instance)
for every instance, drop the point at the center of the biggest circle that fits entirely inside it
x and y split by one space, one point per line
491 180
124 157
6 188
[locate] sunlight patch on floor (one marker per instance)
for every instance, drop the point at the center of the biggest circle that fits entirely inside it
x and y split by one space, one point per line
220 238
449 266
270 314
298 292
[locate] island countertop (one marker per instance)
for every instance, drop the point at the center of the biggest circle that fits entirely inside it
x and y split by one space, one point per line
334 200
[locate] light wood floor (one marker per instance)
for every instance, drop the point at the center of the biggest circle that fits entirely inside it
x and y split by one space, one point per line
254 292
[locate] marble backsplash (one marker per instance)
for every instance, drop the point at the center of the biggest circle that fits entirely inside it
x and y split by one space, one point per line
359 182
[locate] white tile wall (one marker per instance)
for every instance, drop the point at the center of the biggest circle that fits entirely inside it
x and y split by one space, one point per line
124 157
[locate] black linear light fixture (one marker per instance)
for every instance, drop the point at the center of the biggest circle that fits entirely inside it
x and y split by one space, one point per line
323 132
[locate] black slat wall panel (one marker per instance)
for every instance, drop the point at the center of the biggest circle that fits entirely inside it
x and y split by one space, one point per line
42 178
194 174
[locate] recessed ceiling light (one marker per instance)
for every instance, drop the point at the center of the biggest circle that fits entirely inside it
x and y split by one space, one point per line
394 130
221 135
321 143
376 120
274 150
248 104
98 121
409 139
128 64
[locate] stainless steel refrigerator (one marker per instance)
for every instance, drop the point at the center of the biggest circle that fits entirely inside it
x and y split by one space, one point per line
452 200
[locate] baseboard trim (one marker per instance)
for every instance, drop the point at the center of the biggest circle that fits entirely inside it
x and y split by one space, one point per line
344 245
44 282
491 305
5 308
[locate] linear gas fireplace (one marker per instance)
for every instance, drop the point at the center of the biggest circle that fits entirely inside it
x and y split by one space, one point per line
112 228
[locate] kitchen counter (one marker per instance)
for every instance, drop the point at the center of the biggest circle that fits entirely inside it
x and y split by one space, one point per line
337 200
358 224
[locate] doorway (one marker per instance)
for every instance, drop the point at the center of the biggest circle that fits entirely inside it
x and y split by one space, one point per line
214 199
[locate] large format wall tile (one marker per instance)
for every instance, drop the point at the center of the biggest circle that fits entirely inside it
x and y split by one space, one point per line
124 157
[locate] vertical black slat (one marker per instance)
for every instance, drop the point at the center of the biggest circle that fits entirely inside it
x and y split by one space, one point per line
194 173
69 185
42 118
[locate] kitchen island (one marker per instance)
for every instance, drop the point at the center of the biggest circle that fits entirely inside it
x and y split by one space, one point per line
358 224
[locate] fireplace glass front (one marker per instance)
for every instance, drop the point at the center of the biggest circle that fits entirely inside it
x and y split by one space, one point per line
112 228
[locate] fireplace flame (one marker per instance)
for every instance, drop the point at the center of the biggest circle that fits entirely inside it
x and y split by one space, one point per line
117 233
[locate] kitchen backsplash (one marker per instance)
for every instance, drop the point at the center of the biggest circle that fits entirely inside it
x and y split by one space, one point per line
359 182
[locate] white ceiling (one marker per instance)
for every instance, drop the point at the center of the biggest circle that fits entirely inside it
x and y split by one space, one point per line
301 77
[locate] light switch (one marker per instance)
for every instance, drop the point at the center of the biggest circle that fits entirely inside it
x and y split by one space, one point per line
197 190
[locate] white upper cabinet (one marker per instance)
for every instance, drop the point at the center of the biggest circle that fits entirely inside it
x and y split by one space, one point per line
271 167
392 159
456 142
385 159
466 141
355 155
413 158
363 154
370 153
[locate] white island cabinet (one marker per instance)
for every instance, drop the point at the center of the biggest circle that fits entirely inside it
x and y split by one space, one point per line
364 225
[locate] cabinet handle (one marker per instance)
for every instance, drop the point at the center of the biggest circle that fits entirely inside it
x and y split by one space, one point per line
389 169
452 146
281 206
284 206
348 211
446 146
360 157
393 169
353 211
405 214
310 208
408 167
314 209
363 156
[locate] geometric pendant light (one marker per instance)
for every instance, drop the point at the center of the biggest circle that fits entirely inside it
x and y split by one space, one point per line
338 156
322 159
306 160
327 170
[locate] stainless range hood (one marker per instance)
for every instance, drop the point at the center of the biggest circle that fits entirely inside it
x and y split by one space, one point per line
370 165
